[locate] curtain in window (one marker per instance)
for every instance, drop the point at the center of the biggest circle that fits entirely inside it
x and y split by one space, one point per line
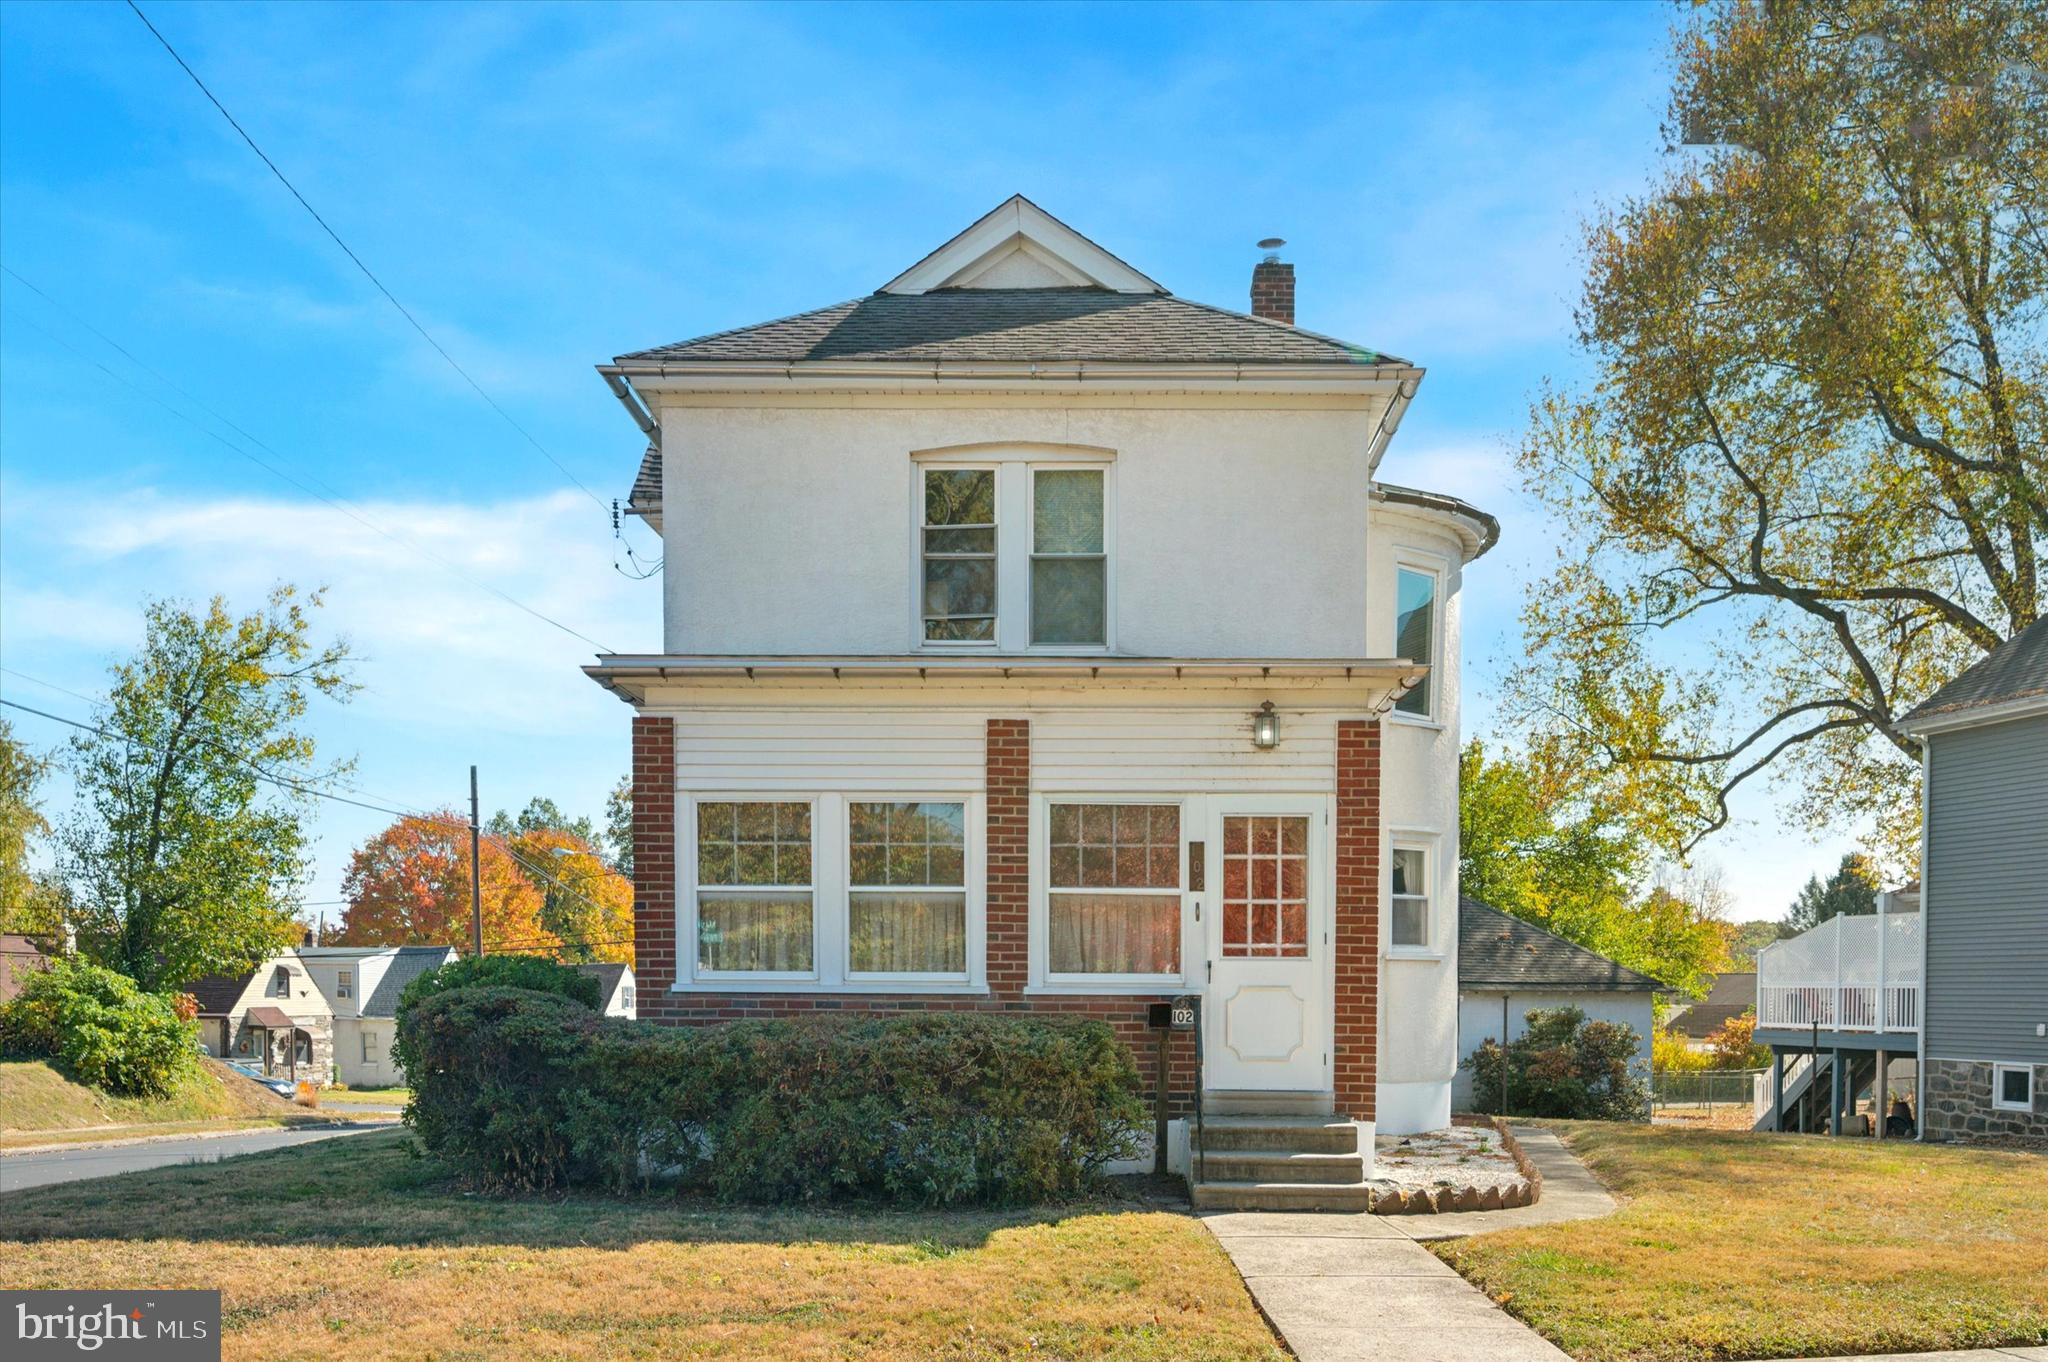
895 933
1114 934
769 933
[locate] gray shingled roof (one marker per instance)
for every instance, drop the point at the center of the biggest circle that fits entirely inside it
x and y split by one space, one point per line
2015 670
607 973
410 963
646 494
1497 950
217 993
1019 324
1732 995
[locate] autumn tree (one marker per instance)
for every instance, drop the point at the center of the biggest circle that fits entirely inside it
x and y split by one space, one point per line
1808 481
185 849
409 886
618 826
584 902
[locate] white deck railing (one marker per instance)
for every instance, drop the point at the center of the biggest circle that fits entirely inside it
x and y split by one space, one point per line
1848 974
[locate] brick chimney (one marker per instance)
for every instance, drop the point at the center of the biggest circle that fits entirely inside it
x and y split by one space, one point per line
1273 284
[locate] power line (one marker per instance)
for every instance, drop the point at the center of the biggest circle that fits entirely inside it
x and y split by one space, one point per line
357 260
317 489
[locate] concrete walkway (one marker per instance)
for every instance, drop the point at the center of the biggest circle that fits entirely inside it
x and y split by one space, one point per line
1361 1288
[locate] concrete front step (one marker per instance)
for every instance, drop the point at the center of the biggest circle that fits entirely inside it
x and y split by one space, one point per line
1281 1165
1251 1102
1300 1134
1281 1196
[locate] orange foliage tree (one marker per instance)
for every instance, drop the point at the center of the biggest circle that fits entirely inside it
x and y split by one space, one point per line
409 886
586 903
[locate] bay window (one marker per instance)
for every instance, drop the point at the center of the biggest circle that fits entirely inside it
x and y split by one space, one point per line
1415 635
1409 900
1113 904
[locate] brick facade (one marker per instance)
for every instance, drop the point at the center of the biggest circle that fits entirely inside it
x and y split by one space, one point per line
1357 936
1008 840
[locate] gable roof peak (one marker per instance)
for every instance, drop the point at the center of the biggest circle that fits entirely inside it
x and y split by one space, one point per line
1018 245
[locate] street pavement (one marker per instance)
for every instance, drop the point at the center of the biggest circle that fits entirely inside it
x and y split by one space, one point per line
72 1164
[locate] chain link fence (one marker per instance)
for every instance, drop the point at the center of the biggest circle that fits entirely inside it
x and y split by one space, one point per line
1704 1090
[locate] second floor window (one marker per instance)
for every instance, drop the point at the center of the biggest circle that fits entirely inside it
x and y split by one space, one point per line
959 555
280 982
1415 635
1069 567
344 984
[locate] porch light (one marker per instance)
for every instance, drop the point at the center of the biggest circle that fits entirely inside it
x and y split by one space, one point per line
1265 727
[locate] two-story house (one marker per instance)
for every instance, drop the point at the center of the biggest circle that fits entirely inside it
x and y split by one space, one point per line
1035 639
362 984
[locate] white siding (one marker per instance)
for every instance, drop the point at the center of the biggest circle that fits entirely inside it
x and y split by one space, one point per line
1179 752
818 749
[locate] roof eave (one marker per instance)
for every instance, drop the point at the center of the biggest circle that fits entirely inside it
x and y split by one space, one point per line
1923 725
930 375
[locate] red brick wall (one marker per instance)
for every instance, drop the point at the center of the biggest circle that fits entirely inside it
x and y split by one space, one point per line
1358 917
1009 918
1273 291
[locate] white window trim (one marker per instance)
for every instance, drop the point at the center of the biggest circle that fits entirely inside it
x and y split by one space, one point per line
1998 1073
1042 980
1427 841
1437 569
830 870
344 984
1015 489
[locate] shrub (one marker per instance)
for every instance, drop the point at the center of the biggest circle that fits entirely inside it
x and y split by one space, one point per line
522 1090
532 973
1567 1067
1732 1045
1670 1054
102 1028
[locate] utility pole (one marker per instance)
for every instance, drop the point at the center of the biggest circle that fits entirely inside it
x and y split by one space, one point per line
476 881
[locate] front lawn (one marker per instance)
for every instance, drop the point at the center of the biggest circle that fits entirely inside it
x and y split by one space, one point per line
1741 1246
358 1248
387 1097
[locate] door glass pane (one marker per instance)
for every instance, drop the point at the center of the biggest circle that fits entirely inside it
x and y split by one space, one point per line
1415 632
1265 886
1067 600
1114 933
1066 511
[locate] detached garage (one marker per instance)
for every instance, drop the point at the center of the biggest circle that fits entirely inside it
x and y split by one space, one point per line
1508 968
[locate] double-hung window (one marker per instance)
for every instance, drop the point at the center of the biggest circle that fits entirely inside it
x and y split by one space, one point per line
754 887
344 983
959 555
1069 561
907 890
1113 902
1409 920
1415 635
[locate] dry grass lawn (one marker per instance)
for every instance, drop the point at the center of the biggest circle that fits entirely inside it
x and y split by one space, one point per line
357 1248
1744 1246
40 1105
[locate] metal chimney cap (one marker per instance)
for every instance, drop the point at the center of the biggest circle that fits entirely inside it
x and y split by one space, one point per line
1271 246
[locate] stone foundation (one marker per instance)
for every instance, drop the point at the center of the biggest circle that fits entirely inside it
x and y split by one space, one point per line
1957 1099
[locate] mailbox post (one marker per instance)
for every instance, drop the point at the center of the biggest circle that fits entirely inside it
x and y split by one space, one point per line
1164 1019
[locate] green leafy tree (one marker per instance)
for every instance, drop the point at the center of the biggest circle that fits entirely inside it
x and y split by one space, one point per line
1852 889
541 814
1562 855
1747 938
1808 482
618 826
29 902
186 861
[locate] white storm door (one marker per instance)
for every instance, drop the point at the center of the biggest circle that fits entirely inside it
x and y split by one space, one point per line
1268 1000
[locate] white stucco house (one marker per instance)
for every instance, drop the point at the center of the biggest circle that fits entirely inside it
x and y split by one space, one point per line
362 985
1034 638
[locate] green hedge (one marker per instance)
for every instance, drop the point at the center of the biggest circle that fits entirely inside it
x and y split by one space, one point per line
101 1028
523 1090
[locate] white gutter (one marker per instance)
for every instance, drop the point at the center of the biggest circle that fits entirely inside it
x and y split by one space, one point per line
1390 421
1397 381
2026 706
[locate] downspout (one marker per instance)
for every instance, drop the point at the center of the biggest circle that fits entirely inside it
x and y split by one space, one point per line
622 388
1390 421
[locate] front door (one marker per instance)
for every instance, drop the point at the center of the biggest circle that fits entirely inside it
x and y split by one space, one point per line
1268 1001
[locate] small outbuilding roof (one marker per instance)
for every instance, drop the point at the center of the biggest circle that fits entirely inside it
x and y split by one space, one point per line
607 973
1497 950
1732 995
2015 671
270 1018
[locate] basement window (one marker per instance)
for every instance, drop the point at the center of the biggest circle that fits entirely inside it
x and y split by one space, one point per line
2012 1087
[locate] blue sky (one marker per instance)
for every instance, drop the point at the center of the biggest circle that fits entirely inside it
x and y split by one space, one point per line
545 187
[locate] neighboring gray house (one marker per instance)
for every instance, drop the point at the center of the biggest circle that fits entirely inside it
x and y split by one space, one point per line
1984 895
1730 996
614 988
1508 968
363 983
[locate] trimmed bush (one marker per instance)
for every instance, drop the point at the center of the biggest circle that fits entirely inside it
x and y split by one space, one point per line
101 1028
1565 1067
527 1091
532 973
